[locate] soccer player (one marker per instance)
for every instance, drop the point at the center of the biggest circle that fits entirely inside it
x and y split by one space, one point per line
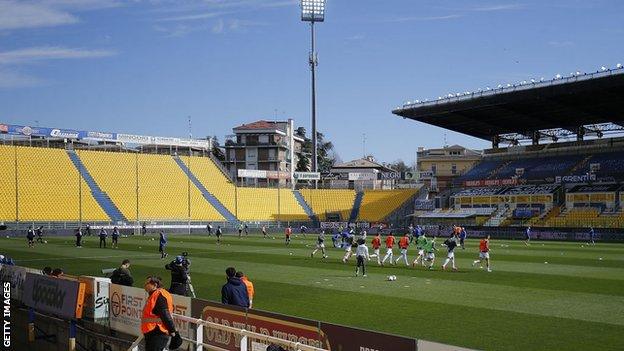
162 243
246 230
218 233
592 236
209 228
527 236
78 237
451 244
30 235
288 233
347 244
403 245
376 245
103 234
389 246
39 232
303 230
115 237
336 241
429 249
361 254
264 232
462 237
320 244
484 253
421 241
240 229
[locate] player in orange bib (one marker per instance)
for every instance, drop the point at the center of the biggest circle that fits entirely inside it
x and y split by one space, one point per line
403 245
484 253
376 245
389 246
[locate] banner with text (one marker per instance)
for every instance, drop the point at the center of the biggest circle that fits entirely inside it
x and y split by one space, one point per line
59 296
126 309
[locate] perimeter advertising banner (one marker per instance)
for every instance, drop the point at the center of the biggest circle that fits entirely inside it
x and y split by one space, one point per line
279 326
16 276
307 332
59 296
126 309
96 305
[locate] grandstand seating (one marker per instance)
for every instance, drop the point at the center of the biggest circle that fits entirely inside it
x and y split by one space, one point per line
155 187
163 188
325 201
50 189
378 204
7 183
481 171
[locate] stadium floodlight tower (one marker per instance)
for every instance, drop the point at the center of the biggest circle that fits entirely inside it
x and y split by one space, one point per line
313 11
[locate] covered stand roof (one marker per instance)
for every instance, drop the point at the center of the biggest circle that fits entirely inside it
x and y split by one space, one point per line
566 103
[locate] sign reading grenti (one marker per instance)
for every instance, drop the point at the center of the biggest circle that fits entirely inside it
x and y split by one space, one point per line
283 327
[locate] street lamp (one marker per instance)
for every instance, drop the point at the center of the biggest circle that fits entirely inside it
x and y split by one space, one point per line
313 11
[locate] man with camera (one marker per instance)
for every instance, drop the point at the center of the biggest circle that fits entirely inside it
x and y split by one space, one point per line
180 278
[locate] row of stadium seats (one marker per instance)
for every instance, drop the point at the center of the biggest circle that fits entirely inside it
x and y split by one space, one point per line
156 188
378 204
48 187
543 167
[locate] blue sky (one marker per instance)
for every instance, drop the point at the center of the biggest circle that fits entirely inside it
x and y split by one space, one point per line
144 66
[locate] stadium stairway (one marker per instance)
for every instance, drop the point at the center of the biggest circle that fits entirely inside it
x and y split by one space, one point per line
100 196
207 195
355 211
306 207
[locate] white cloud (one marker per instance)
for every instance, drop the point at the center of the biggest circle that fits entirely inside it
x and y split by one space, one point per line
502 7
18 15
217 28
27 55
15 79
24 14
432 18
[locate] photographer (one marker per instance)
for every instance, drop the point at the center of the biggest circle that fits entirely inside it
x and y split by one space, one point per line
179 275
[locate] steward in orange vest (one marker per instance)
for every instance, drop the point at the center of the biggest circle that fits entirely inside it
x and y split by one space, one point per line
156 322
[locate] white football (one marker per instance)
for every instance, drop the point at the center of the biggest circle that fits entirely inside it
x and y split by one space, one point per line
45 241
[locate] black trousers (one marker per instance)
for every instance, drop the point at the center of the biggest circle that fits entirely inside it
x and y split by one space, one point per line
155 341
102 241
78 241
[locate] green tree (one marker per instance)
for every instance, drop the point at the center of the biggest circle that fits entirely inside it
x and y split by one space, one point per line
326 155
217 151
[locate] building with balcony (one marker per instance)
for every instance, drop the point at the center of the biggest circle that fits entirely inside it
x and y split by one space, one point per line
439 167
263 145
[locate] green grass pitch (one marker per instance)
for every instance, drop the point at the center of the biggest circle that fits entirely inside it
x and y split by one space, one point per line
573 302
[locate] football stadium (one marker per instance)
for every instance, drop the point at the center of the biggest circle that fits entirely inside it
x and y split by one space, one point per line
518 246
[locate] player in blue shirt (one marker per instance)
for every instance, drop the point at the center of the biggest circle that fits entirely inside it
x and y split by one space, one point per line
592 236
162 244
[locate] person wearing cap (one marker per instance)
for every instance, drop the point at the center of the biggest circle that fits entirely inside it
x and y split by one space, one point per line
249 285
156 320
179 276
122 275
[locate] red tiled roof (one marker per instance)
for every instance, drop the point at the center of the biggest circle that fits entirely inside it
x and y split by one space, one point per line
262 124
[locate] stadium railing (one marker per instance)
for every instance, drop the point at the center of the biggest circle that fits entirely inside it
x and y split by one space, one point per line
244 336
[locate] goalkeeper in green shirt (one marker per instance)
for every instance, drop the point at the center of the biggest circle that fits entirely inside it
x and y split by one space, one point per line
421 241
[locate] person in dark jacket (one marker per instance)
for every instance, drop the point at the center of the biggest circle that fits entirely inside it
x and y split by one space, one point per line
122 275
234 292
179 276
39 232
103 235
30 235
78 235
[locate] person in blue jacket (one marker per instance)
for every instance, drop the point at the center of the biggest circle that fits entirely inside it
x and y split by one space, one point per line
234 292
162 244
